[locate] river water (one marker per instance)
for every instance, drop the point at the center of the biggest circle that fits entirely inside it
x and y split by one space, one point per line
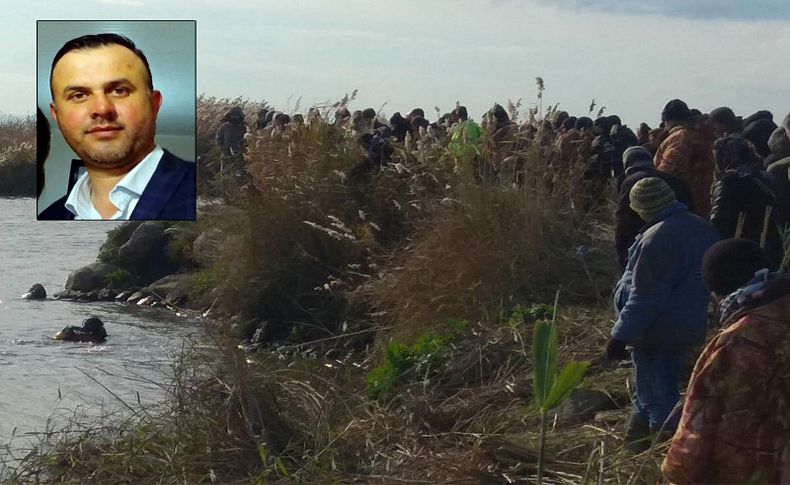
41 378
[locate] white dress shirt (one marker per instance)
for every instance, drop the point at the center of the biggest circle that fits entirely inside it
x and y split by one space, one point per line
124 196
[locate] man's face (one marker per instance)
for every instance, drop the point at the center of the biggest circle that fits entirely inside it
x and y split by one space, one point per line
103 107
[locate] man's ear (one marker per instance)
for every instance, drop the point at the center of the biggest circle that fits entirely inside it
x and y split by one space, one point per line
54 112
156 101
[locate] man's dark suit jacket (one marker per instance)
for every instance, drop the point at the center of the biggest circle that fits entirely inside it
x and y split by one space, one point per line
169 195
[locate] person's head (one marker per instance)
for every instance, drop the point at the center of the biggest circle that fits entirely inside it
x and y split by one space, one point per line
368 114
758 132
734 153
42 148
95 326
786 125
731 263
614 120
262 113
298 119
650 196
725 121
559 119
281 119
415 113
583 123
675 113
463 115
103 101
779 143
499 114
235 115
602 126
644 129
637 157
569 123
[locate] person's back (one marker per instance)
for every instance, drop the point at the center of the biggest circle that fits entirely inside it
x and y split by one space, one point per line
687 153
464 139
744 203
735 425
230 135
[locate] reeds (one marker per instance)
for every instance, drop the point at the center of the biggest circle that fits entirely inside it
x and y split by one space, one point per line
18 157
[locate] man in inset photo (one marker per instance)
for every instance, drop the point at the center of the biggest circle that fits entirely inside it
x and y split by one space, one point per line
105 106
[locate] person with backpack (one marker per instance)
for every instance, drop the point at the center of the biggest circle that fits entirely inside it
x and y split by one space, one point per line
744 203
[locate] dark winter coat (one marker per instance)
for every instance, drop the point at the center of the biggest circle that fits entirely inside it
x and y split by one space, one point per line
749 194
599 165
622 138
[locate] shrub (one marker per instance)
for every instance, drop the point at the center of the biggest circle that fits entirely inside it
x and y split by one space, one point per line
403 363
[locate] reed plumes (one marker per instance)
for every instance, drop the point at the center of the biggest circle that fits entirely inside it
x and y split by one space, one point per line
18 157
334 257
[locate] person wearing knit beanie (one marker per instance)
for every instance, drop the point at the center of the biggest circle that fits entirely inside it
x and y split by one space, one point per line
661 306
675 111
637 156
650 196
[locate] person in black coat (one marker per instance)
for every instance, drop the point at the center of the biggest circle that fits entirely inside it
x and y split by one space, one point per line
638 163
622 137
744 204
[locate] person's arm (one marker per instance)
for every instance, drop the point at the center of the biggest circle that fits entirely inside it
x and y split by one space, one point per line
650 289
722 211
675 157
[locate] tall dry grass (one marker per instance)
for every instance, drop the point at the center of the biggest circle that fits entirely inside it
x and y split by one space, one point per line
18 157
311 245
330 260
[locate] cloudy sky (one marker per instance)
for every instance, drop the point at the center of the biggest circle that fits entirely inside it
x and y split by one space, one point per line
629 55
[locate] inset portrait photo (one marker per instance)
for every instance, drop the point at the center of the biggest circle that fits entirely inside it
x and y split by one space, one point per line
116 129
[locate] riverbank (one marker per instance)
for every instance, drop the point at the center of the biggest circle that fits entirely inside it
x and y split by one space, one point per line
371 327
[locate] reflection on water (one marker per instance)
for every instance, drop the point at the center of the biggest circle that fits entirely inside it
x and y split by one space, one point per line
39 376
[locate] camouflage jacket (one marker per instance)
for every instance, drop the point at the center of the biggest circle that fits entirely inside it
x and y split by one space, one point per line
687 153
735 426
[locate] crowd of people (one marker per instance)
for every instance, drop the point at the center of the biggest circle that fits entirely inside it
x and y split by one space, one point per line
702 202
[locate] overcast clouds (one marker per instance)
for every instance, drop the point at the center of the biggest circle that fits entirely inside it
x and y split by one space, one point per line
631 56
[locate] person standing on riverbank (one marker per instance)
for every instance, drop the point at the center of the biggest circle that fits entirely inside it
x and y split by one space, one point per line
105 105
661 305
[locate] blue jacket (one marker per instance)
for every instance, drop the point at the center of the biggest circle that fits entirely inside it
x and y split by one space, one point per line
661 300
170 195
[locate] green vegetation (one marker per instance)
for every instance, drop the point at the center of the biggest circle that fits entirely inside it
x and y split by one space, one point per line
422 360
550 388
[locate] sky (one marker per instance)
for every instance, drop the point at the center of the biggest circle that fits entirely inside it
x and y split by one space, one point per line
631 56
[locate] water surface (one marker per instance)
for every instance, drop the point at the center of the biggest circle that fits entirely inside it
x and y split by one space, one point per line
40 377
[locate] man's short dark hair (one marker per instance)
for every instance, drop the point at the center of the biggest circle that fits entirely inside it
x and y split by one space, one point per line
93 41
